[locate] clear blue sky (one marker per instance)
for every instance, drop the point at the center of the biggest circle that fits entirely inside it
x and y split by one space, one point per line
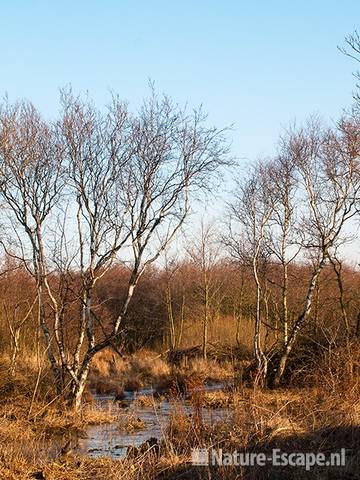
257 64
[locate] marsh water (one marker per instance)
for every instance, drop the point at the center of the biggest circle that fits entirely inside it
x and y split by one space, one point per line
111 440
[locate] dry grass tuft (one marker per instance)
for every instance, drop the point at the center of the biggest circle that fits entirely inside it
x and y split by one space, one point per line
129 423
111 374
144 401
208 370
218 399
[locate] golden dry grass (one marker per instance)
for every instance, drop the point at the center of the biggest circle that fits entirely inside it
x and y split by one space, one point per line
218 399
259 419
208 370
323 417
145 401
130 423
112 374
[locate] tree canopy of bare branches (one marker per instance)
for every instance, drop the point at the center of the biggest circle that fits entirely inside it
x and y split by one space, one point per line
93 188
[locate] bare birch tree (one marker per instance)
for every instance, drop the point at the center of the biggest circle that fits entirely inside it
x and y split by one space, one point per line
31 169
327 161
250 214
281 237
135 201
96 148
130 180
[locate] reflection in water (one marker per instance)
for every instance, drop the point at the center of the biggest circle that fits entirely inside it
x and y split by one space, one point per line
109 440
